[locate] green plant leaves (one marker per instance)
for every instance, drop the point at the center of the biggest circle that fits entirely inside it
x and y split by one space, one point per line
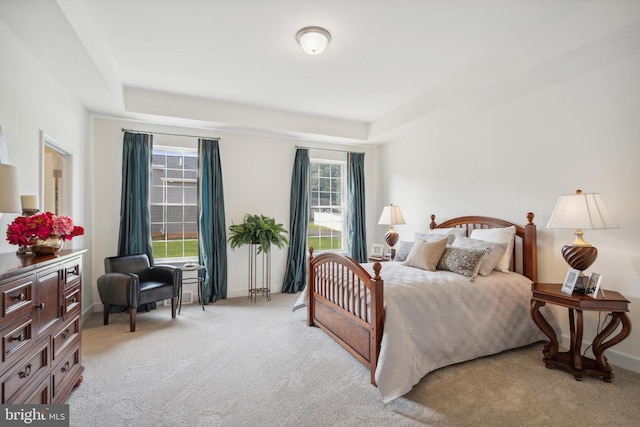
260 230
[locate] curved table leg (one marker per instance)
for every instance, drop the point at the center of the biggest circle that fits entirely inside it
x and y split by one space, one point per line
550 350
599 344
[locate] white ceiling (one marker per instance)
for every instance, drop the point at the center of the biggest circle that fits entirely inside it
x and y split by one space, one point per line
390 64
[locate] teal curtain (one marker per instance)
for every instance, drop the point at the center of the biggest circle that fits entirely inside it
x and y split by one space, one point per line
357 219
212 235
296 270
135 212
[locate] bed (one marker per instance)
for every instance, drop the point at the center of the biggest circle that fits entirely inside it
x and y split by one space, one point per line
417 321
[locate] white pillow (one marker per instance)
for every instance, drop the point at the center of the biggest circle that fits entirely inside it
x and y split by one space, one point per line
490 259
425 255
451 233
498 235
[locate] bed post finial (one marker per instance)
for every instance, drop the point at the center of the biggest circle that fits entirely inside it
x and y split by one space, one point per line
310 253
376 269
433 224
530 216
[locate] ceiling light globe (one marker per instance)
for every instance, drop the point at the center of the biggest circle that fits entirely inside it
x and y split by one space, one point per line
314 40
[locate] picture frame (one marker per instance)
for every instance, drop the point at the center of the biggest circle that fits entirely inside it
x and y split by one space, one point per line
570 281
377 250
593 287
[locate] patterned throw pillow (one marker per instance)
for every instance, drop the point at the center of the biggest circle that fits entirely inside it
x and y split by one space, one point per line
403 251
461 261
494 254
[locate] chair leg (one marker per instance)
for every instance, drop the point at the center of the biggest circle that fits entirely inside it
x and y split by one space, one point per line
174 304
105 316
132 319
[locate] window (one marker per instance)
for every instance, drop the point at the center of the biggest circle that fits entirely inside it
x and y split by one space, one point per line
174 204
327 206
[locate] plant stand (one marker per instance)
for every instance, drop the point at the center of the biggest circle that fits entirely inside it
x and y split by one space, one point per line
259 273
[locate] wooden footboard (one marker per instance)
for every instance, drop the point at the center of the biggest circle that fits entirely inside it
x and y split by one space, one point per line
348 304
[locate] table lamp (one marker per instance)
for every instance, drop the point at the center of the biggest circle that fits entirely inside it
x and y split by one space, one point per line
391 215
9 199
581 211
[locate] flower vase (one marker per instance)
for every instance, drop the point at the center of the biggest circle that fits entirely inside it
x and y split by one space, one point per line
48 246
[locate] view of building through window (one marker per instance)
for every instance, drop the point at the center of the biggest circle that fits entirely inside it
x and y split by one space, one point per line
327 206
174 203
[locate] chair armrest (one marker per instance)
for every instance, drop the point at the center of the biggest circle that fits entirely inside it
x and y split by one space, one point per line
167 274
121 289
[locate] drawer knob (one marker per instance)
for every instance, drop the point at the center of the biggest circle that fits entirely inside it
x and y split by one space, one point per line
20 296
74 300
26 372
18 338
65 333
66 367
40 306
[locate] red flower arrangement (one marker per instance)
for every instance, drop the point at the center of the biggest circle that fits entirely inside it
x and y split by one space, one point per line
24 229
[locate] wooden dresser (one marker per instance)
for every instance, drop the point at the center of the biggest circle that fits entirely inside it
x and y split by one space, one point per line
40 327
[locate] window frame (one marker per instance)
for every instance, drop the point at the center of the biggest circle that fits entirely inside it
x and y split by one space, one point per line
344 205
165 204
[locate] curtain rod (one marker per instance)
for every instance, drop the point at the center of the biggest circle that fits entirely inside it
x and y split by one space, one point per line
330 149
217 138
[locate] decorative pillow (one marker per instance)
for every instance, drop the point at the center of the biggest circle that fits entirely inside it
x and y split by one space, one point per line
429 237
498 235
402 251
451 233
425 255
461 261
495 251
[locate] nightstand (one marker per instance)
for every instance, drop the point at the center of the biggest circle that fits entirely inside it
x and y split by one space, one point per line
572 360
378 259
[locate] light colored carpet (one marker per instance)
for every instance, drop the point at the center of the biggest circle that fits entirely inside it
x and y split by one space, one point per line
257 364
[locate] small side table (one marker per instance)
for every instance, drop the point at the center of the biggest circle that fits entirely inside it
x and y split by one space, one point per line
572 360
198 280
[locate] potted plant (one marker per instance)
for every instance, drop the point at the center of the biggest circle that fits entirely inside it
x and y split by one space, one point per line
258 230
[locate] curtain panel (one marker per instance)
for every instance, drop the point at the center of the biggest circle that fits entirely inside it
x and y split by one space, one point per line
296 270
135 213
357 219
212 235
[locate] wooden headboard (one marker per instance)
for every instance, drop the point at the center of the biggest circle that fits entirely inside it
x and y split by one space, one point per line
524 259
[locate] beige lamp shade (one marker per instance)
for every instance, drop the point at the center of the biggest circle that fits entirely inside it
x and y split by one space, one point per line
391 215
9 196
581 211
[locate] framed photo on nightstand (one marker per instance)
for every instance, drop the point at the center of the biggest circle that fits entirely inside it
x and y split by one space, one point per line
570 281
593 287
377 250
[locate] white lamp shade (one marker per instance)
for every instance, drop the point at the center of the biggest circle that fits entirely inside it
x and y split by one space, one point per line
314 40
9 197
584 211
391 215
29 202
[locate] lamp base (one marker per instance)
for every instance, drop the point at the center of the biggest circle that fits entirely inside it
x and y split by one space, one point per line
391 237
579 257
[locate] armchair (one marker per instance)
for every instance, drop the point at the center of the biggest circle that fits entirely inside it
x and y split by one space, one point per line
130 282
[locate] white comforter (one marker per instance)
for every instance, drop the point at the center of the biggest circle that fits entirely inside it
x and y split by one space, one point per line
435 319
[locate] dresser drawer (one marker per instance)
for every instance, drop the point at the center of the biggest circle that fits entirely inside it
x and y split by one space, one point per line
17 297
71 300
25 373
66 374
67 337
17 338
40 394
72 272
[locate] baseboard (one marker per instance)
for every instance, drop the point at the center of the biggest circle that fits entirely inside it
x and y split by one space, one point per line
614 357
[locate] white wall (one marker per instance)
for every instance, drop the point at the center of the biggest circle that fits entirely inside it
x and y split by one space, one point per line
256 174
32 101
505 160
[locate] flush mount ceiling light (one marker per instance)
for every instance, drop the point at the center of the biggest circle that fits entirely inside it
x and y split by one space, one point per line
314 40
